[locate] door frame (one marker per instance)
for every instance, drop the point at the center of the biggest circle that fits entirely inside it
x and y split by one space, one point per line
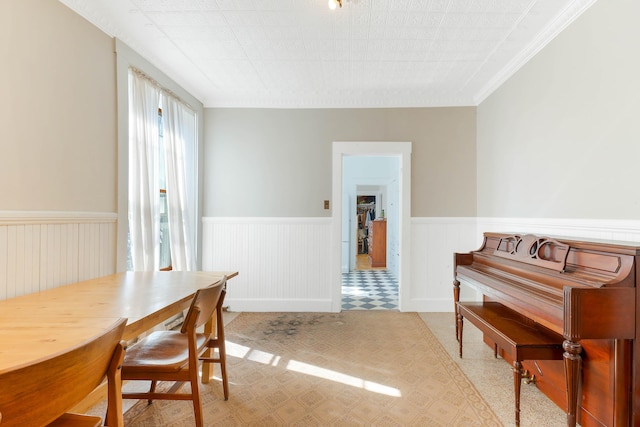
340 149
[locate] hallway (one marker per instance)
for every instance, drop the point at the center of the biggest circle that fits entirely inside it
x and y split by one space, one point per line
374 289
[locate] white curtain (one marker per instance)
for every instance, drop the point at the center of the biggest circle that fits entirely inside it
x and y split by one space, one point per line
144 185
174 116
145 169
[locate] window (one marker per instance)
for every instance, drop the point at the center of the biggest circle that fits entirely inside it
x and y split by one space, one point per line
161 195
165 241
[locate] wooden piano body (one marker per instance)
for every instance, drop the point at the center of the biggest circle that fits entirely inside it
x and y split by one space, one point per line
583 290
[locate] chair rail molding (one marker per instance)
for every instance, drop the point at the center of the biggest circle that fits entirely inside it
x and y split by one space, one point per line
605 229
54 217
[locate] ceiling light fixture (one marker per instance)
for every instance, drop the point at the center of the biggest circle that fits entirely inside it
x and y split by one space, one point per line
334 3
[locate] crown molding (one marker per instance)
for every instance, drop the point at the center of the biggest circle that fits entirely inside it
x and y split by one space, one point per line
562 21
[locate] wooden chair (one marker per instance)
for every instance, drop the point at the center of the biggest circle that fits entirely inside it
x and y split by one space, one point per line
216 342
41 393
174 355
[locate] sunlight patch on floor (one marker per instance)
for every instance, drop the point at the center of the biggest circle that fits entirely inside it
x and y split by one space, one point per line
265 358
305 368
355 291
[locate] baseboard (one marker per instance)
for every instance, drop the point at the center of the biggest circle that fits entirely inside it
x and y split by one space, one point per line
280 305
426 305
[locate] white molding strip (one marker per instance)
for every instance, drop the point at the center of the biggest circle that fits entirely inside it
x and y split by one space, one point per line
443 220
607 229
55 217
266 220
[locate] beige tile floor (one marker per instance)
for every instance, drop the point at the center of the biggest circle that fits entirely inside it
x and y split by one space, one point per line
492 377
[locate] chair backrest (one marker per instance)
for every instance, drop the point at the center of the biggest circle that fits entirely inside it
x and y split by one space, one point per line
39 393
203 305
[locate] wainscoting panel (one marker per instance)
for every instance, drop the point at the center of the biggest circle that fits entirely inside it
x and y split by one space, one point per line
283 262
433 242
42 250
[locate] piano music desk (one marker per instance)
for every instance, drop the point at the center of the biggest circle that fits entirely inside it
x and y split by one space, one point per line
518 336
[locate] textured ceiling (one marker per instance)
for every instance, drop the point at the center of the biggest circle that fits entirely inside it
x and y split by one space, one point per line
301 54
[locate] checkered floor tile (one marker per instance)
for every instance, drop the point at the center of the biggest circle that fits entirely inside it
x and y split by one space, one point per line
369 290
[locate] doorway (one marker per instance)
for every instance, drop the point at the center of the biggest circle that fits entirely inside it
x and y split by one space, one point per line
365 212
341 248
368 201
369 234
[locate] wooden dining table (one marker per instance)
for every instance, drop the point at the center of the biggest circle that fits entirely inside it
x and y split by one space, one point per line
44 323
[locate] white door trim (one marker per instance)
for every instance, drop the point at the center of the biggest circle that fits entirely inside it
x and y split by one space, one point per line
363 148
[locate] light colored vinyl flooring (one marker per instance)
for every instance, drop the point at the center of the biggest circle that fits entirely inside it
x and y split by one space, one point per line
492 377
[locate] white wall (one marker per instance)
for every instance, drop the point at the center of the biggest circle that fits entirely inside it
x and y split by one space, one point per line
267 173
58 196
282 262
560 139
58 112
277 162
557 153
557 143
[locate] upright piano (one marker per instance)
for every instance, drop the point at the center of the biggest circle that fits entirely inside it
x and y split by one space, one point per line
583 290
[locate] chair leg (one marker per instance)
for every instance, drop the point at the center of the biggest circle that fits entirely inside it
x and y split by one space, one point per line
221 358
195 395
222 351
152 389
223 369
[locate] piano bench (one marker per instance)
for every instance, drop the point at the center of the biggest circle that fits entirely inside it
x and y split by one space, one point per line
517 335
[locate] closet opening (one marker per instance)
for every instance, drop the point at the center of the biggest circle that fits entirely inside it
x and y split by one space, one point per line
371 243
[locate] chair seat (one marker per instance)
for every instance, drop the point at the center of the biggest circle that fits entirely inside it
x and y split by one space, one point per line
174 356
76 420
161 351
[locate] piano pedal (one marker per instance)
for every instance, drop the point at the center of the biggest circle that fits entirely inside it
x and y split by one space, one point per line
528 377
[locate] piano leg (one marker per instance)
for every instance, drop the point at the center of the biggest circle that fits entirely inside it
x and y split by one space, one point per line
459 322
456 298
572 369
517 381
